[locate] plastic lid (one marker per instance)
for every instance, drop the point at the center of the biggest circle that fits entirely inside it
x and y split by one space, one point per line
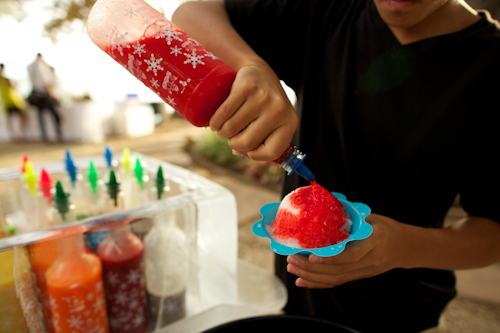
61 200
93 177
113 187
160 182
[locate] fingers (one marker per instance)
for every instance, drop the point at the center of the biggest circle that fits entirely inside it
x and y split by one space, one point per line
257 117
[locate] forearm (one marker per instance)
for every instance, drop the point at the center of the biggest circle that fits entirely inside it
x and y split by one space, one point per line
209 24
471 243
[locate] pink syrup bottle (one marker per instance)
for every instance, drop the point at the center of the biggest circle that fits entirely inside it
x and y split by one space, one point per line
122 257
176 67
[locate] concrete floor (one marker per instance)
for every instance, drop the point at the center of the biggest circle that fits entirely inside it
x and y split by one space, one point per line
476 309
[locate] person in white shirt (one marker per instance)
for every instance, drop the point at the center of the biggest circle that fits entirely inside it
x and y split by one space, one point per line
43 81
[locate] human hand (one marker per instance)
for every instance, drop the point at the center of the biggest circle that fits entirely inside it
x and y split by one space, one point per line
387 248
257 118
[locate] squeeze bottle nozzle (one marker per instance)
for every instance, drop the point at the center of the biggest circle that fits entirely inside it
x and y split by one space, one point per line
30 177
61 200
93 177
108 155
292 161
160 182
113 187
45 184
25 159
139 172
71 167
126 159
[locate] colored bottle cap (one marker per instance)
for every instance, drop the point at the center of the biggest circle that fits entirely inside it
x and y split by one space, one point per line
71 167
113 187
93 177
108 155
139 172
61 200
126 159
160 182
45 184
30 177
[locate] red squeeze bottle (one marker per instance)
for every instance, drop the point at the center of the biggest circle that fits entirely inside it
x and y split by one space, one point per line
176 67
122 257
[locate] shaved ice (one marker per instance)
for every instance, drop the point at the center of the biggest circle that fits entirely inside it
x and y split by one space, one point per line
310 217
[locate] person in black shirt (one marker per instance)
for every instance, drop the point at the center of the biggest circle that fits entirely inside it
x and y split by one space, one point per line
396 108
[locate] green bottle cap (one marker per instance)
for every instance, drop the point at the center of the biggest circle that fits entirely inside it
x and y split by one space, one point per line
93 177
160 182
139 171
61 200
113 187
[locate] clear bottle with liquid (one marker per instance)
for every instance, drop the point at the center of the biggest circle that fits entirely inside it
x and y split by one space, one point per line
166 258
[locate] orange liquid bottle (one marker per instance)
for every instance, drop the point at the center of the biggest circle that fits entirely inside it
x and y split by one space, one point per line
75 288
43 255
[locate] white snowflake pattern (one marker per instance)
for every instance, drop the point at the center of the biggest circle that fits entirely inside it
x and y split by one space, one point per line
121 297
169 34
184 84
170 100
55 323
170 86
154 64
113 279
134 304
119 39
209 54
139 49
154 83
133 67
74 305
75 322
130 13
135 275
98 287
53 304
193 59
138 320
99 305
176 50
90 297
190 44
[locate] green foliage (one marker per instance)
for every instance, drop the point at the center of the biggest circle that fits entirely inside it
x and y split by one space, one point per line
212 147
217 150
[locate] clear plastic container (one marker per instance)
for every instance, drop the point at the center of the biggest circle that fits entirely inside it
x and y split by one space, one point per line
205 214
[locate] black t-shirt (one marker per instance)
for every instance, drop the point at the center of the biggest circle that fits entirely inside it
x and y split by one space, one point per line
401 128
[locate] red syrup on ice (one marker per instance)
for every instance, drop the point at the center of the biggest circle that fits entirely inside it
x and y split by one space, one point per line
311 217
178 69
122 256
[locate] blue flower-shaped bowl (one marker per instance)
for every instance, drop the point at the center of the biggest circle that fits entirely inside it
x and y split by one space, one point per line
360 229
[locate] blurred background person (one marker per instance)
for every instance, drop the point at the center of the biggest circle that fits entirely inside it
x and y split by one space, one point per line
43 80
13 105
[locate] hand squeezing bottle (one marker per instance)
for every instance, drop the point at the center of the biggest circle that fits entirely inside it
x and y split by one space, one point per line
176 67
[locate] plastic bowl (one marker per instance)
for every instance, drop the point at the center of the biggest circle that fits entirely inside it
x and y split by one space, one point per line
360 229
